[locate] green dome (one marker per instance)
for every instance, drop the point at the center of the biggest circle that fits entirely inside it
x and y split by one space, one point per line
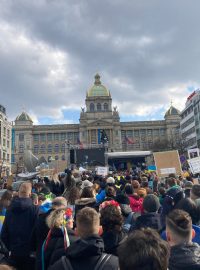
23 117
172 111
98 90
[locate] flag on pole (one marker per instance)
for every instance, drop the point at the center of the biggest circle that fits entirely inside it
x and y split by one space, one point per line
80 143
129 140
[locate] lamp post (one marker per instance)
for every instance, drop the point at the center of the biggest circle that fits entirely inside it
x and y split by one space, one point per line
67 151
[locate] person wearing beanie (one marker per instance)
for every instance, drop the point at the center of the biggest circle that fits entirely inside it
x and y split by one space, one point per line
151 217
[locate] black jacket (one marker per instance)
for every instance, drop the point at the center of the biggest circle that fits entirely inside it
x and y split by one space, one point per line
55 248
112 241
84 255
185 257
151 220
18 226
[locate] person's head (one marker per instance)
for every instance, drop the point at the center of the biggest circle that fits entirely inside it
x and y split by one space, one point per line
25 190
135 184
56 219
191 208
41 199
141 192
151 203
128 189
34 198
111 218
5 199
74 195
88 192
143 249
59 203
87 222
171 181
162 191
110 191
178 227
195 192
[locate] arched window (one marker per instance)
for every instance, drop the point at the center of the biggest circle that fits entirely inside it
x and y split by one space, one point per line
63 148
98 107
92 107
49 148
56 157
105 106
63 157
42 149
56 148
35 149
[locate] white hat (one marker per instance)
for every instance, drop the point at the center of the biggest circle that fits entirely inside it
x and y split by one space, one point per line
86 183
110 180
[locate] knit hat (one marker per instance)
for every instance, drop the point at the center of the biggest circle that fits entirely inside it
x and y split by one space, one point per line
151 203
196 190
188 185
110 180
86 183
122 199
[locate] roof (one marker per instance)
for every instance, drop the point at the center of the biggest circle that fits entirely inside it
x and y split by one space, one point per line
23 117
98 90
128 154
172 111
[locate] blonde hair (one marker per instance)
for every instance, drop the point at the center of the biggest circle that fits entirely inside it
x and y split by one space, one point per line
56 218
25 190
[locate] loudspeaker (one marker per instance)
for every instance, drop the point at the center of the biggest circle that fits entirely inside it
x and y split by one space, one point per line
72 156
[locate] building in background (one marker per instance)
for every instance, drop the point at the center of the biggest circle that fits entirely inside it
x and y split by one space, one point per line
190 121
99 126
5 143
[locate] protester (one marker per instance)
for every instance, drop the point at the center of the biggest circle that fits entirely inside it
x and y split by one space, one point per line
87 253
17 228
151 218
4 204
143 250
111 221
183 254
41 229
135 200
195 193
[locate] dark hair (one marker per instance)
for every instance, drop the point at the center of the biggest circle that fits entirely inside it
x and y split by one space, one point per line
128 189
110 191
191 208
143 249
74 194
171 181
111 218
179 222
88 192
7 196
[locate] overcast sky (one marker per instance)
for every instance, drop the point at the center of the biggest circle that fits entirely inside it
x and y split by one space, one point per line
146 51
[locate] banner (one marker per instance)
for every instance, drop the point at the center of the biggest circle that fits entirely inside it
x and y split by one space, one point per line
167 162
102 171
194 164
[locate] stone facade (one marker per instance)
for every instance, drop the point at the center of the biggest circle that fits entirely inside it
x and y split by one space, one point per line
53 140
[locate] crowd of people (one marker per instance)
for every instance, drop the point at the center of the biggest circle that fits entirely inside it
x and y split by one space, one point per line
126 220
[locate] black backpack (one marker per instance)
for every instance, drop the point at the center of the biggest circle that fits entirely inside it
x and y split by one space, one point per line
99 266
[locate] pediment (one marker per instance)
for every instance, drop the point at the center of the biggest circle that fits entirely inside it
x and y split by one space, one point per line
100 122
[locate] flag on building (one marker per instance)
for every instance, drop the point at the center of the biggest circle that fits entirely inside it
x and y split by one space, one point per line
129 140
80 143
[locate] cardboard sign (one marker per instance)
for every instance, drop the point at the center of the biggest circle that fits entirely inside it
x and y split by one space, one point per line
102 171
194 164
167 162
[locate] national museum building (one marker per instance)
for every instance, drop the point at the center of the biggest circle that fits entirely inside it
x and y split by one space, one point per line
99 117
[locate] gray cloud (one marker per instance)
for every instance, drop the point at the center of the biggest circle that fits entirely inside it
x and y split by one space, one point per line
146 51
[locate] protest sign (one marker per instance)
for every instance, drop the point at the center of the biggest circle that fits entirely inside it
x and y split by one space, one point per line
194 164
102 171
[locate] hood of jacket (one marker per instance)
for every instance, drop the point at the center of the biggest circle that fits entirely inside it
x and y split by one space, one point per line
112 239
126 209
87 247
185 256
20 204
85 201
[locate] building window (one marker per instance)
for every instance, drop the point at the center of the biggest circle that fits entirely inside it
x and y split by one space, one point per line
92 107
42 149
129 133
49 137
63 148
143 132
35 149
21 137
70 136
56 148
162 132
35 137
98 107
42 137
136 133
156 132
49 148
149 132
56 157
63 157
56 136
21 148
105 106
62 136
